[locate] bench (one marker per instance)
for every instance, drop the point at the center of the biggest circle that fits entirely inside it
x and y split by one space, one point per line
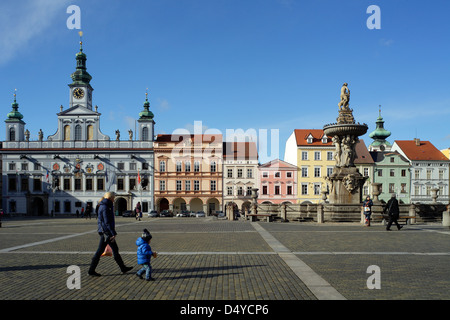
254 217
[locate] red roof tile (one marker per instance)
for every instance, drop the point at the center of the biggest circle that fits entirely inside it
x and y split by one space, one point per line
420 150
301 136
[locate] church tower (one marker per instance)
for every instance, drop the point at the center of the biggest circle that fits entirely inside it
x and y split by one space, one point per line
14 125
379 136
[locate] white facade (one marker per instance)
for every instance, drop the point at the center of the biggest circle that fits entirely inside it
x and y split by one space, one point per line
77 164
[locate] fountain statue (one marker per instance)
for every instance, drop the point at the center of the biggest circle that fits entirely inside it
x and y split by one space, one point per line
345 183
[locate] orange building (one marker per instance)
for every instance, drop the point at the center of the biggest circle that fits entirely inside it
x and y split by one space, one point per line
188 172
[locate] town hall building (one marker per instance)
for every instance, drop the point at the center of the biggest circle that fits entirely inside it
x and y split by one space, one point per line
73 167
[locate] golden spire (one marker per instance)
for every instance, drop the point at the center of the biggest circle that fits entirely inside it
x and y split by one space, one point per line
81 42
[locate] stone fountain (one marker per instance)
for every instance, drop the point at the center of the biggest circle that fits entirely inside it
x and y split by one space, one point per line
345 183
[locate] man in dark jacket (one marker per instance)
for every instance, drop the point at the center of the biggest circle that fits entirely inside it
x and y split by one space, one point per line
393 212
106 230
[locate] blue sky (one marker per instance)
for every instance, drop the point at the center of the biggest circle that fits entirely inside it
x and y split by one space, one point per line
253 65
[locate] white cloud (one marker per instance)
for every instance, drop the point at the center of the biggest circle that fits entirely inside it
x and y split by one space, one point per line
24 21
386 42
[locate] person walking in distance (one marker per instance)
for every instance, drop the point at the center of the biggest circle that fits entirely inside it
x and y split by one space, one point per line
107 232
393 212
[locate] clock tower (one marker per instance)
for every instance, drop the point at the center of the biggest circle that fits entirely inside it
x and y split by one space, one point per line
80 89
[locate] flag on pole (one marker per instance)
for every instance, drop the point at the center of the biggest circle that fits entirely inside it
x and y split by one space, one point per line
46 177
139 177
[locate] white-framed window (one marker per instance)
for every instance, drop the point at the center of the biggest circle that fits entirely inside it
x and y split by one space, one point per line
162 166
162 185
187 185
196 185
304 172
213 185
304 155
178 185
317 155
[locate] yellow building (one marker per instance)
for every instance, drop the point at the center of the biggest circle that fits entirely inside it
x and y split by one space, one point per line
313 153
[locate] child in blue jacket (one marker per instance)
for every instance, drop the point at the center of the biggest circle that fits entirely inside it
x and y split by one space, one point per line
144 254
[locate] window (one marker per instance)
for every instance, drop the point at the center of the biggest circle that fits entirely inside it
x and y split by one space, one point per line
428 190
330 155
403 172
249 173
316 189
89 185
304 189
67 207
277 174
317 172
196 166
144 133
240 191
289 190
37 184
213 185
121 166
24 184
304 155
392 159
78 184
441 174
213 166
24 166
265 174
66 184
317 155
380 172
187 166
230 173
329 171
12 166
288 174
178 166
229 191
366 172
12 134
416 190
196 185
429 171
187 185
277 190
100 184
264 190
391 188
133 166
77 132
162 166
132 183
239 173
392 172
304 172
417 174
37 166
162 185
12 184
120 184
403 188
249 191
178 185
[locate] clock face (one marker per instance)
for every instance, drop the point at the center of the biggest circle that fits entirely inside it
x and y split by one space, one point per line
78 93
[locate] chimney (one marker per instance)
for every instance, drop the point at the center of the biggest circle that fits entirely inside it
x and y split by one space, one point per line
417 141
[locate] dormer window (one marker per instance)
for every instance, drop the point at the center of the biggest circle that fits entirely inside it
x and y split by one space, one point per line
324 139
309 139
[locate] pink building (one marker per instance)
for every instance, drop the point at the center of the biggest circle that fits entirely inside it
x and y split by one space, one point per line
277 182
